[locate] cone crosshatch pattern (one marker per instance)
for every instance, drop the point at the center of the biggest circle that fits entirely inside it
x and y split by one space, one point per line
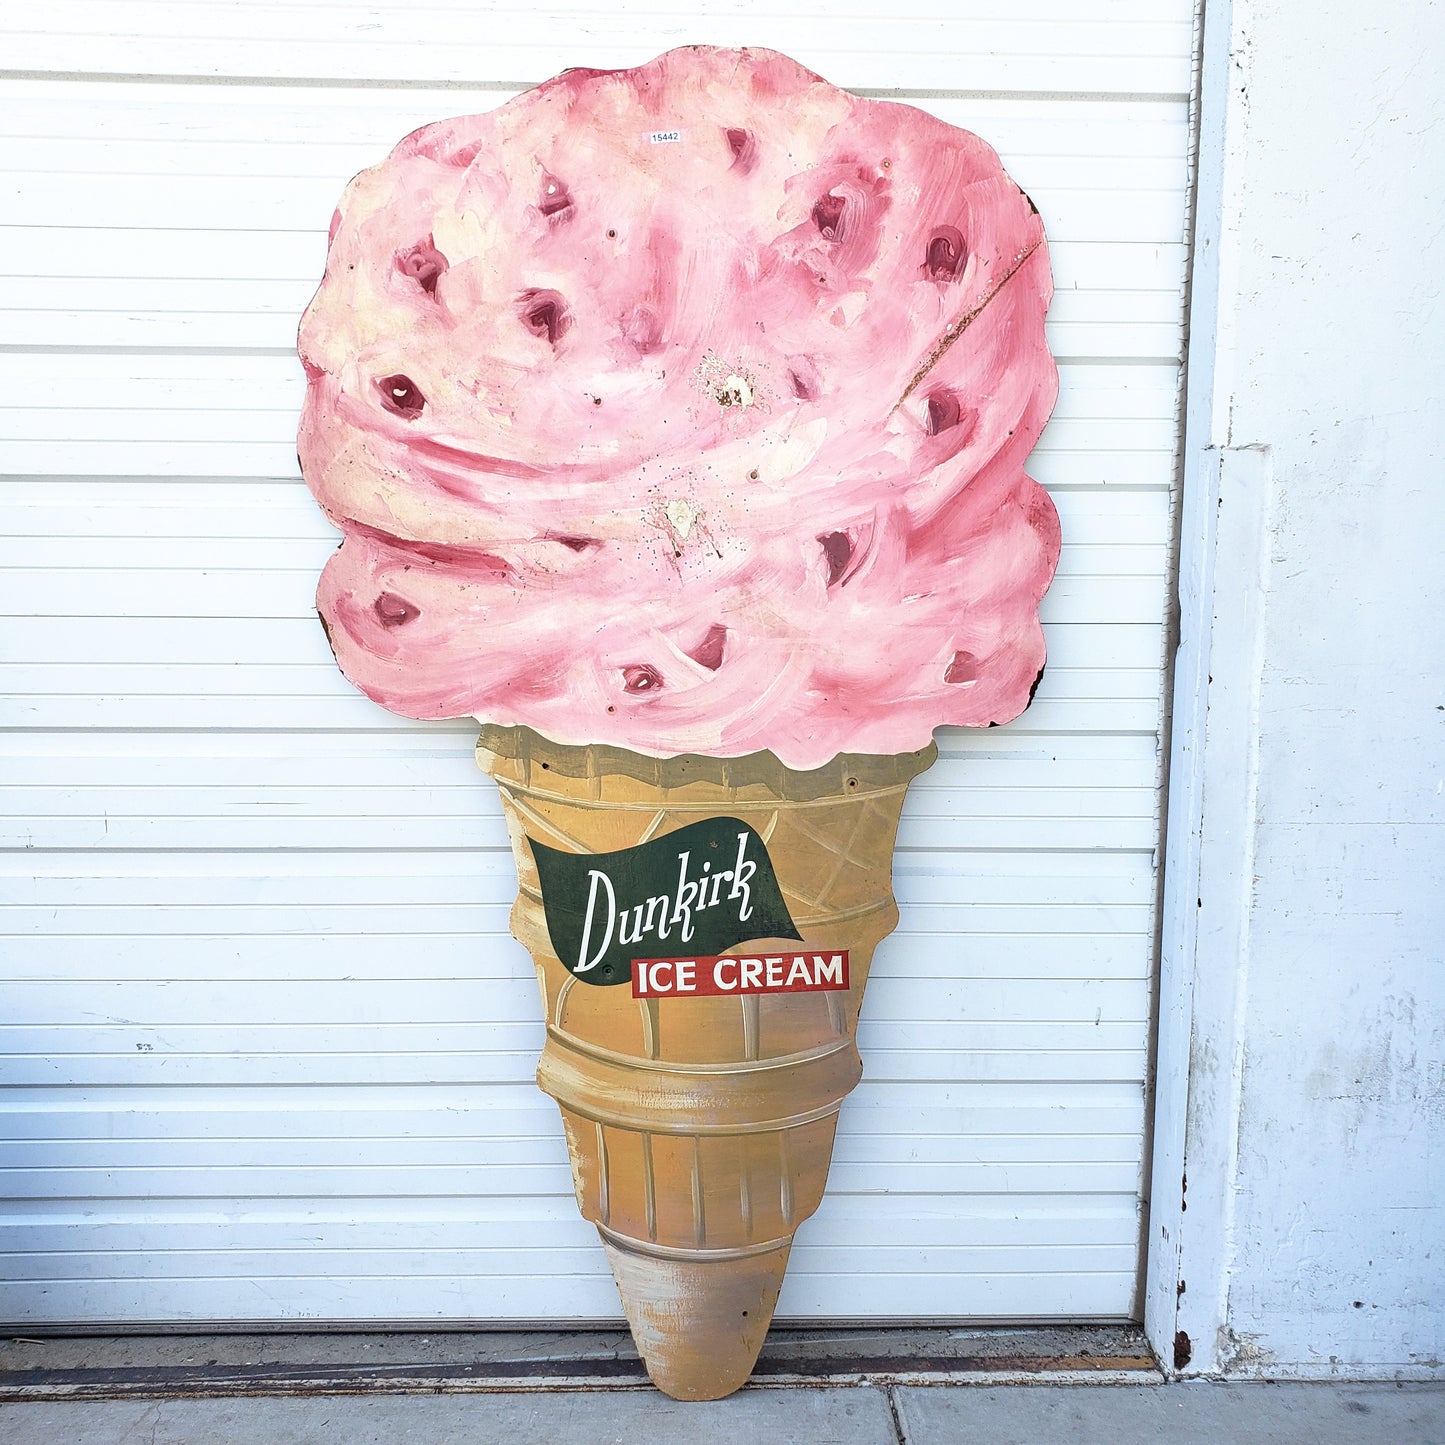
701 1130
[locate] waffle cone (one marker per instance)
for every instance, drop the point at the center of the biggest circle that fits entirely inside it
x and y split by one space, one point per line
701 1129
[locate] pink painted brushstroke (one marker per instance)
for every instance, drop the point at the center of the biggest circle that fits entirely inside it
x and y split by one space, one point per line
705 446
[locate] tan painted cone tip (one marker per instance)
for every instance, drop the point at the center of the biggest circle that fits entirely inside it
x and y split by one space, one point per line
698 1322
701 1129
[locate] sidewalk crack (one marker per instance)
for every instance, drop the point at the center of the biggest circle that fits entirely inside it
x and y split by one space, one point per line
895 1409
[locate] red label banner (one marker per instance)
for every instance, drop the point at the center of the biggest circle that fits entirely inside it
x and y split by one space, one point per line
718 976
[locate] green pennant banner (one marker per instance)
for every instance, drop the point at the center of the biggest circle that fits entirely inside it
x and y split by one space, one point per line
700 890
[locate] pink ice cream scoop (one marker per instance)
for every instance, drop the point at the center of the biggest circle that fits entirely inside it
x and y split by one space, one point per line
685 408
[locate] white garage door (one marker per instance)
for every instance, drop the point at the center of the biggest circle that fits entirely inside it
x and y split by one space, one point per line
269 1043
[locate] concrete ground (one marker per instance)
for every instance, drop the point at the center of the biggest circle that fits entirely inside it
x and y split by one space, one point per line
1196 1413
901 1387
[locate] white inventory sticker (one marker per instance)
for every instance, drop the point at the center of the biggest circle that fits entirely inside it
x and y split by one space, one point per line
664 137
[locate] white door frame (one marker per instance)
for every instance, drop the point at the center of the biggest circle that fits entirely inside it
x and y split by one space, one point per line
1213 769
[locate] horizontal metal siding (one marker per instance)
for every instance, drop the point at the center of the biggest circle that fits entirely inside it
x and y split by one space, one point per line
1108 47
268 1040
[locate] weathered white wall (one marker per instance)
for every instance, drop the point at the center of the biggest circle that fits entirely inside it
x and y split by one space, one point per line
269 1045
1306 935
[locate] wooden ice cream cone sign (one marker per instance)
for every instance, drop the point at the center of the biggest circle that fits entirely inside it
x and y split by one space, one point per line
675 423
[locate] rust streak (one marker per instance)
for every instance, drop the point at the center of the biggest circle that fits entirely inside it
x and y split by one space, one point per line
604 1179
699 1206
649 1188
962 325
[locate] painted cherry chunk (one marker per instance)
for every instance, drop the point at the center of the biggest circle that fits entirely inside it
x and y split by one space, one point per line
685 409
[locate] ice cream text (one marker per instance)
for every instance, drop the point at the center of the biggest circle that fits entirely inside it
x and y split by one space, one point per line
714 977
